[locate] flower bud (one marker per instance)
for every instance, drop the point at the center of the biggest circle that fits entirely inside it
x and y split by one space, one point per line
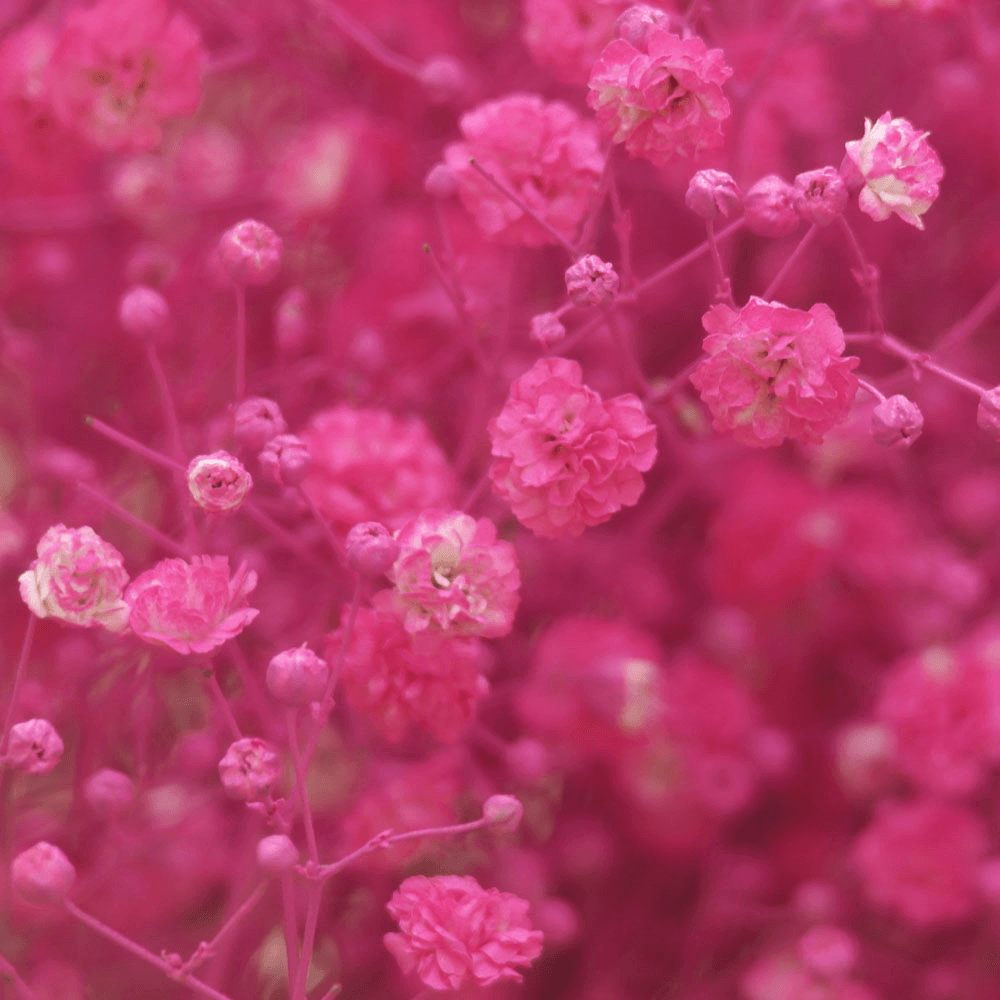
371 549
591 281
896 422
441 182
42 874
256 421
109 792
35 746
143 312
769 207
443 79
291 321
713 194
218 482
249 769
277 854
250 253
820 195
547 330
634 24
297 676
988 414
285 460
503 812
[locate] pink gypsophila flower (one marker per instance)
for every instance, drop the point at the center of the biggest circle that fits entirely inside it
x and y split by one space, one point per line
397 680
543 151
368 465
566 36
455 933
79 578
191 607
564 458
123 66
899 168
773 372
664 102
453 574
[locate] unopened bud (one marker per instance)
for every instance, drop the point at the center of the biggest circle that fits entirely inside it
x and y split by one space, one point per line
896 422
504 812
256 421
713 194
42 874
821 195
441 182
443 79
769 207
143 312
109 792
277 854
250 253
371 549
285 460
35 747
591 281
297 677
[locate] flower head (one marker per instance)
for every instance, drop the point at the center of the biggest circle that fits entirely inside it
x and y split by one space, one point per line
78 577
898 167
591 281
249 769
35 747
664 100
455 933
564 458
218 482
191 607
773 372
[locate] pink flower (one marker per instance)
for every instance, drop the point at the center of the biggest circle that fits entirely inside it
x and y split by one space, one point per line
662 102
371 466
123 66
218 482
773 372
591 281
454 575
899 168
566 36
397 680
78 577
543 151
564 458
454 933
192 607
921 860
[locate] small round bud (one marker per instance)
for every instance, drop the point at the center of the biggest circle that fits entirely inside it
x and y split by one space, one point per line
441 182
634 24
109 792
34 747
143 312
297 676
249 769
218 482
443 79
371 549
547 330
591 281
828 950
250 253
821 195
256 421
529 760
988 414
769 207
713 194
896 422
42 874
865 758
504 812
277 854
285 460
291 321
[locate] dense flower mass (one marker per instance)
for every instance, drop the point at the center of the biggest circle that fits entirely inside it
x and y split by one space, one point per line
563 458
543 151
79 578
663 100
774 372
898 168
454 933
191 607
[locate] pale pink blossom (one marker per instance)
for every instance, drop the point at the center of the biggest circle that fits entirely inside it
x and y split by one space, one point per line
564 458
398 680
454 575
591 281
663 101
455 933
371 466
121 67
898 167
543 151
78 578
191 607
774 372
218 482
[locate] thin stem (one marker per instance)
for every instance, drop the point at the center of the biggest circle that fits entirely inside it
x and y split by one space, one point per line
868 277
134 446
154 534
147 956
166 400
476 492
220 699
800 248
725 286
689 258
241 342
979 313
313 898
289 925
454 293
207 947
20 985
283 536
868 387
331 537
622 226
300 784
364 39
19 670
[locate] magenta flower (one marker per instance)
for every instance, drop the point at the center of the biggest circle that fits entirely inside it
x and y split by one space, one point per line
663 101
774 372
191 607
78 577
455 933
564 458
